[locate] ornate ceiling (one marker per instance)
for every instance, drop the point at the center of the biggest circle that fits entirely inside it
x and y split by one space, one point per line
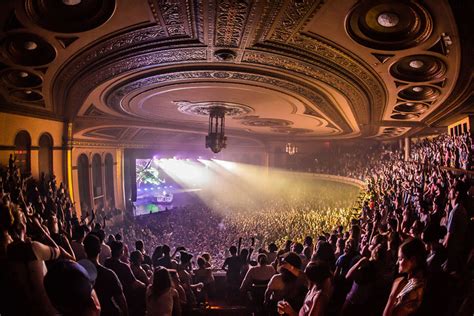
147 71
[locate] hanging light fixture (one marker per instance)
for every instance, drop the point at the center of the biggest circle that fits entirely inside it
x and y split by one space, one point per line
216 136
291 149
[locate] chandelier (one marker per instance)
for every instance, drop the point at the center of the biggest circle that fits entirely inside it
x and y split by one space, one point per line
291 149
216 138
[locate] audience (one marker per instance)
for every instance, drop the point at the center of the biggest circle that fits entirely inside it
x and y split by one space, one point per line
406 248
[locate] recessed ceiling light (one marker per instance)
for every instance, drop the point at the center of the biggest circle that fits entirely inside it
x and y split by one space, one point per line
416 64
28 92
23 74
388 19
72 2
410 103
417 89
30 45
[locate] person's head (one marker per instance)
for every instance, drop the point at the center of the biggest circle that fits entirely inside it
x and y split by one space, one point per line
432 234
136 258
244 253
101 234
294 260
206 257
92 246
297 247
308 241
118 237
78 233
70 289
233 250
416 228
341 243
166 250
139 245
412 257
350 246
117 249
355 232
161 281
324 252
19 222
317 272
185 257
201 262
157 254
262 259
110 239
272 247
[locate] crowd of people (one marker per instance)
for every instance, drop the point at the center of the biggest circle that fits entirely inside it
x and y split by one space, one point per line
408 250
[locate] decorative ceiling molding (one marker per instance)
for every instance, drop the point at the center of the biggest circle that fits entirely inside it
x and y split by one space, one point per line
114 98
231 19
174 18
348 79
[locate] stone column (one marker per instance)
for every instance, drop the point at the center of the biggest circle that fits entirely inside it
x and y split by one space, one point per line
407 148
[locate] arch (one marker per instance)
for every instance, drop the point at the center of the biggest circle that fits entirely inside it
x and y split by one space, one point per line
97 184
109 180
23 151
84 184
45 155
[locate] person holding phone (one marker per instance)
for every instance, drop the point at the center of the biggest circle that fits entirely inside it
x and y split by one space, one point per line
319 293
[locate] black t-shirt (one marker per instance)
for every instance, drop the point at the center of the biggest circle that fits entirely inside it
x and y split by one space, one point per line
234 264
147 260
107 285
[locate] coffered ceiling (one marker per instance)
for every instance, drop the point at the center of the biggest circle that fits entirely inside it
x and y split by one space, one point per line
148 71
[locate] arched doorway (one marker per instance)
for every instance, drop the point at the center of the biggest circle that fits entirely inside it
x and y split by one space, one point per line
97 188
83 180
23 151
45 155
109 180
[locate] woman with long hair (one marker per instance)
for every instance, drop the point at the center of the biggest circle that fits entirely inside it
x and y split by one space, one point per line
318 276
407 291
161 298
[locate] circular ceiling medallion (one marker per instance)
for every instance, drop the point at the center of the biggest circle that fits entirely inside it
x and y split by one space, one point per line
225 54
404 116
419 93
26 95
388 19
203 108
267 122
389 25
411 107
28 49
72 2
20 78
418 68
69 16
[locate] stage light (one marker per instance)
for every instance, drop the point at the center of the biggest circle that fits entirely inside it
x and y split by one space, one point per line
225 164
